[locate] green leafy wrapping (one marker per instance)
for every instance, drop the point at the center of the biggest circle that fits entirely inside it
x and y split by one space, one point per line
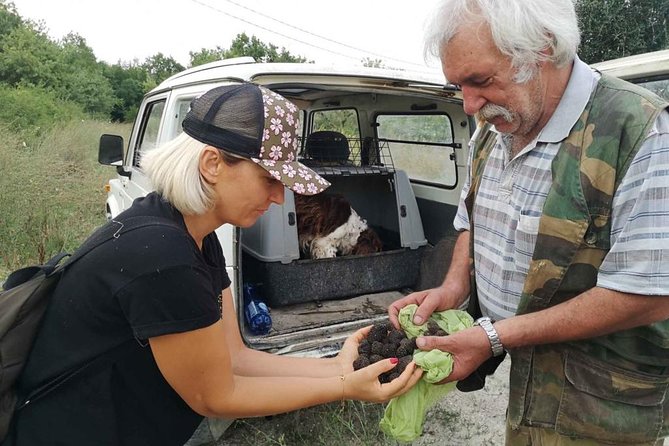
450 321
437 365
404 416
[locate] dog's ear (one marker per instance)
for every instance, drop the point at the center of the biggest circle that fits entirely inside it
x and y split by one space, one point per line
368 243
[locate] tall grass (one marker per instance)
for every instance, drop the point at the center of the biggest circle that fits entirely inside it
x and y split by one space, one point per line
51 190
351 423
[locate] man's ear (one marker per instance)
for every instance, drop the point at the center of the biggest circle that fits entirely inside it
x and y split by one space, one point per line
211 164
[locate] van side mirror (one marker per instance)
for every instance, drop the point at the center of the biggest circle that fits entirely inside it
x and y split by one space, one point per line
110 151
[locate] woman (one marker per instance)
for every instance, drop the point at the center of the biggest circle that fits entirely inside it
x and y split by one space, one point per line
163 289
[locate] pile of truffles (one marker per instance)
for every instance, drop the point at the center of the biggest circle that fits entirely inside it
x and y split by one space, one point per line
385 341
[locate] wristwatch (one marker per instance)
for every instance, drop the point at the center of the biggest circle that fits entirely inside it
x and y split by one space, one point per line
495 344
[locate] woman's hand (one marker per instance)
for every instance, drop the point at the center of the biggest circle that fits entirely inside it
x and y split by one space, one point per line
349 351
364 384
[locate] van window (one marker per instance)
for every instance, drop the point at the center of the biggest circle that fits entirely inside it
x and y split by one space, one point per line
421 145
148 136
182 107
344 121
658 86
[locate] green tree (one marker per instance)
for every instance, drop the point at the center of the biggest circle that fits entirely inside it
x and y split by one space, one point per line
129 83
205 55
159 67
618 28
82 78
28 57
244 45
9 18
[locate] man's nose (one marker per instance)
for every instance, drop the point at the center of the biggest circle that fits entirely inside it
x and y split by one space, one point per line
472 100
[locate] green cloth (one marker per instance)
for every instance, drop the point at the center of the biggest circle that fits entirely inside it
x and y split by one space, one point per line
404 416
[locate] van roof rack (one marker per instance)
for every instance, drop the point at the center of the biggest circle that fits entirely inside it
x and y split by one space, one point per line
215 64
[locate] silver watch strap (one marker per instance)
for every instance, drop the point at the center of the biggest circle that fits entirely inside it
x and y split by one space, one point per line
495 343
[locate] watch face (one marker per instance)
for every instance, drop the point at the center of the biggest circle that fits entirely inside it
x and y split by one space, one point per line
481 319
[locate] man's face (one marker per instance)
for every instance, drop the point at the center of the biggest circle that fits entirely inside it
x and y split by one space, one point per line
485 76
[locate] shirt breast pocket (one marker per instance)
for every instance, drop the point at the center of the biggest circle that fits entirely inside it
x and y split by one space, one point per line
526 238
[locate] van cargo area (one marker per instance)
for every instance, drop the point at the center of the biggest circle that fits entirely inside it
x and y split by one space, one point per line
344 292
303 326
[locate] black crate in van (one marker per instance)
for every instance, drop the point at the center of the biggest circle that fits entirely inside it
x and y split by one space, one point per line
385 199
310 280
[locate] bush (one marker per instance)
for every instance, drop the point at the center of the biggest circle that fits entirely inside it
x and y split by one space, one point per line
51 191
31 112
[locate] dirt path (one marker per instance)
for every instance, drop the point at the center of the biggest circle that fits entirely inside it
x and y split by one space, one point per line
459 419
472 418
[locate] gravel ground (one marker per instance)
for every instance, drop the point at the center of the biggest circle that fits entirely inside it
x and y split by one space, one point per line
472 418
459 419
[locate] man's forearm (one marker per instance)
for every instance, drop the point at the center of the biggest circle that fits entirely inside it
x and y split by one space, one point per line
596 312
458 276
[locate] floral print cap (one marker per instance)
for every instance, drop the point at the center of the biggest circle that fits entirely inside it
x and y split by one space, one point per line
278 151
257 124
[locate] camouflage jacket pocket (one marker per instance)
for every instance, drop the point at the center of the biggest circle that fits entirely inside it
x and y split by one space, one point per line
610 404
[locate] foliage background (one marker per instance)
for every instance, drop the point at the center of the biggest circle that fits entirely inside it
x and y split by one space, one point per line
57 99
66 72
618 28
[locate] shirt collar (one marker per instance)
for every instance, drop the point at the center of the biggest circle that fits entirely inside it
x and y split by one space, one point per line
574 99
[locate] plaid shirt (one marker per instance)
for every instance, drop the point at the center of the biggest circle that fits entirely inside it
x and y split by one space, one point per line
512 194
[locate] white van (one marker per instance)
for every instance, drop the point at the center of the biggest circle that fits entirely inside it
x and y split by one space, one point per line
650 70
399 142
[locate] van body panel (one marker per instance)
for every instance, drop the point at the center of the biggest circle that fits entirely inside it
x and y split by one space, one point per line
386 180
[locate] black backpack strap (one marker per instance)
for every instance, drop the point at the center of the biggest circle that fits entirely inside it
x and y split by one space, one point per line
114 229
25 274
111 230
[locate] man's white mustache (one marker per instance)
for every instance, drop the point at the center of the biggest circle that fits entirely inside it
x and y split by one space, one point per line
490 111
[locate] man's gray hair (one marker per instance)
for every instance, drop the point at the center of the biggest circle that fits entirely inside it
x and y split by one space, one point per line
528 31
174 171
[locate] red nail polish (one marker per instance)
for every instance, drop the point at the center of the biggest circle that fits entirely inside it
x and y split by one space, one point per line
394 360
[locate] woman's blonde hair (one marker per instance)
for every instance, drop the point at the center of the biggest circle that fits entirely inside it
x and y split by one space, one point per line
174 171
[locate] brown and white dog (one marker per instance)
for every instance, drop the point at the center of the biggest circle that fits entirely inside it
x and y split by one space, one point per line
327 225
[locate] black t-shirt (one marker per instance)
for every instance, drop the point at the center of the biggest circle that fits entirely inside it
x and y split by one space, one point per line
149 282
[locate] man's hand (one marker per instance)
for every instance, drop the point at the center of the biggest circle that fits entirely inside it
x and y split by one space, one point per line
428 301
470 348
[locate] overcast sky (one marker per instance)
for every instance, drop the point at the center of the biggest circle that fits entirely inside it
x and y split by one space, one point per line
333 31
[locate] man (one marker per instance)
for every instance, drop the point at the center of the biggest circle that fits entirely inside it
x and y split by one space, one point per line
564 219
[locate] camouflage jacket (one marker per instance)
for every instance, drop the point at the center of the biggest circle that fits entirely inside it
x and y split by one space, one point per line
612 388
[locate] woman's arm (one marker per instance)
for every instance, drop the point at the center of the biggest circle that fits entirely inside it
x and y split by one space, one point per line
199 366
249 362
